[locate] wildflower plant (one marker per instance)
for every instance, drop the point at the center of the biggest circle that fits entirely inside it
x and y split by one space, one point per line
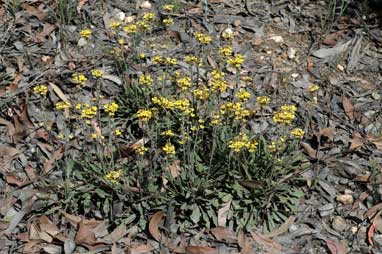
185 131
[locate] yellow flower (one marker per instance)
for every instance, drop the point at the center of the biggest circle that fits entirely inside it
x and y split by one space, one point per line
286 115
111 108
243 95
130 29
238 143
142 55
40 89
263 100
115 24
168 133
225 51
228 34
298 133
169 149
272 147
63 105
146 80
88 111
148 16
94 135
171 61
157 59
79 78
168 21
313 88
236 61
168 7
78 106
144 114
121 41
202 38
190 59
143 25
114 175
202 93
141 150
217 83
118 132
163 102
86 33
97 73
184 83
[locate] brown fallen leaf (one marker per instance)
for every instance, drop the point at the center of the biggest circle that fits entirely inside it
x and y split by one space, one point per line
10 128
57 155
309 150
12 179
33 11
223 233
80 4
192 249
35 233
117 234
266 243
348 107
142 248
85 234
336 247
73 219
282 229
7 155
48 226
154 225
245 244
46 31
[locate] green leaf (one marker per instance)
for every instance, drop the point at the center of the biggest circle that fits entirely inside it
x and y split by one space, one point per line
195 216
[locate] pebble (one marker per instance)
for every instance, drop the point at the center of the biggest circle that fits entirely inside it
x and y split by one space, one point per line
146 5
326 210
291 53
339 224
345 199
277 38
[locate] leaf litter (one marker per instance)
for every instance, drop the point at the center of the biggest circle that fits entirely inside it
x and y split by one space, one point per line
345 113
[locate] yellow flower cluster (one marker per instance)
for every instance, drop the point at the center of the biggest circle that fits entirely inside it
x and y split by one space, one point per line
203 38
298 133
146 80
143 25
40 89
235 110
190 59
263 100
157 59
118 132
163 102
286 115
79 79
170 61
131 29
243 95
144 114
236 61
169 149
88 111
168 133
63 105
228 34
218 83
141 150
168 21
148 17
111 108
202 93
243 142
215 119
314 88
97 73
115 24
275 145
114 175
86 33
184 105
225 51
184 83
168 7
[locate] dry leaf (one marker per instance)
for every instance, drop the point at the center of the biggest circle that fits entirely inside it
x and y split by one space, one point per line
46 31
223 213
85 233
282 229
268 244
348 107
142 248
57 155
33 11
309 150
223 233
200 250
154 225
117 234
336 247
